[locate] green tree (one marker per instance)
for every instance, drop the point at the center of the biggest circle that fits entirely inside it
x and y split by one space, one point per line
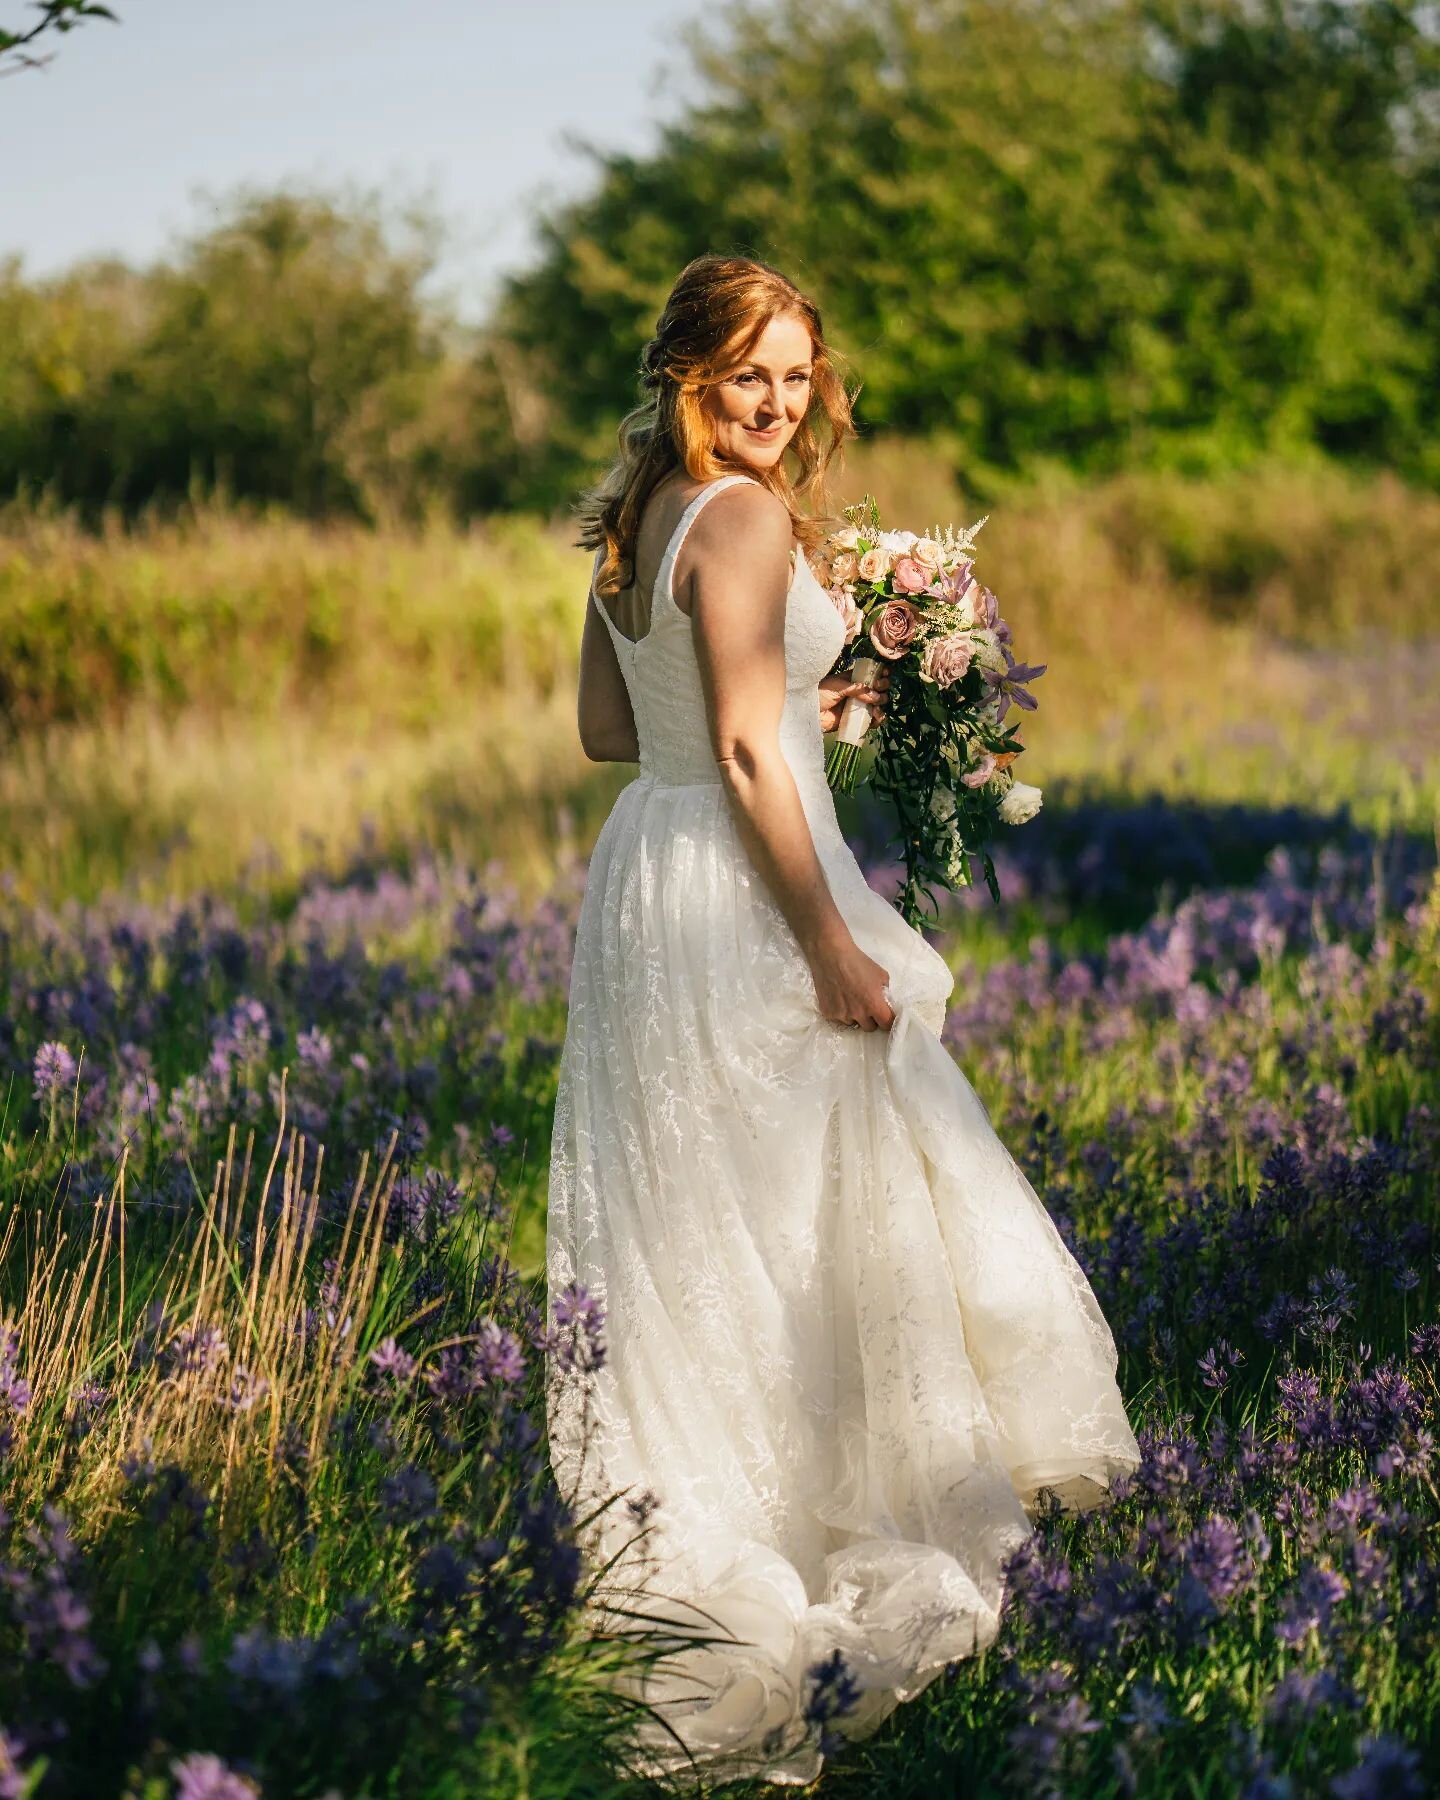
1108 232
286 355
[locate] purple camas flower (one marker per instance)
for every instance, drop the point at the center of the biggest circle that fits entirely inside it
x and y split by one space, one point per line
1219 1363
246 1389
1147 1711
1302 1695
88 1401
1379 1407
1425 1343
203 1777
1171 1462
53 1617
55 1070
393 1363
1387 1769
14 1782
1216 1555
194 1350
15 1393
1295 1508
1331 1302
1412 1458
452 1377
499 1357
1309 1603
421 1205
1057 1722
314 1049
408 1495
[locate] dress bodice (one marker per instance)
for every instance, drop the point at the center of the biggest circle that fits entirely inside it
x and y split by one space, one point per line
662 674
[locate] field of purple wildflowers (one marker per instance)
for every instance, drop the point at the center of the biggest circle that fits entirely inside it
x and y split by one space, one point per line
276 1513
277 1058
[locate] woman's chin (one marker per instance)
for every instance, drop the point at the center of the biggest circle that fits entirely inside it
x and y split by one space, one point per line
760 456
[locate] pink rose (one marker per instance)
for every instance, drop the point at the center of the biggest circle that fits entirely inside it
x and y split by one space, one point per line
893 628
946 659
981 773
909 576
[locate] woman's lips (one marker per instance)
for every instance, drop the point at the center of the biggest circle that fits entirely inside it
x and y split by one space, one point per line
768 431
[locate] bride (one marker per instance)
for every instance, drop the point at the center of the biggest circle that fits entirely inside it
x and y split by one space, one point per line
846 1348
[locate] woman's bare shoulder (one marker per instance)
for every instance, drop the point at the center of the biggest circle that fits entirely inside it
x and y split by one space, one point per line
744 520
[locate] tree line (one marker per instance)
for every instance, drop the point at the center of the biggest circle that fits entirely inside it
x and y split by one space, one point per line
1194 234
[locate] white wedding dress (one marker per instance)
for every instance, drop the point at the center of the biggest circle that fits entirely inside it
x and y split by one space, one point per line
846 1345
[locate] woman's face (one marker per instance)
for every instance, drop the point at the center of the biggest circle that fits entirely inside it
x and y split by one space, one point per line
759 405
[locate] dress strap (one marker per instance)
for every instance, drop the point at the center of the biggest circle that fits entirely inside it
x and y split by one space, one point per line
663 594
617 637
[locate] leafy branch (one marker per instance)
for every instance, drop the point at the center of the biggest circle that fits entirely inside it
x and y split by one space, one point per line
55 15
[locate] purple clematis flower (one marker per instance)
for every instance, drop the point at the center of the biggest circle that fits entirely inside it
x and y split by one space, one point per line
1011 685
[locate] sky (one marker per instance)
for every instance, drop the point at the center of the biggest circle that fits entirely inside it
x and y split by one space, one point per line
118 143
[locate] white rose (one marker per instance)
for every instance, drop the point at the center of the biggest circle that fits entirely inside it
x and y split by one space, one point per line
846 538
1020 804
927 553
900 543
874 565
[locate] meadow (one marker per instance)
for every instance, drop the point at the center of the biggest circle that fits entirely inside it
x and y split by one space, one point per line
293 830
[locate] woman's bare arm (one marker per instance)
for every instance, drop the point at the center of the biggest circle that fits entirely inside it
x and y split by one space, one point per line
606 718
736 573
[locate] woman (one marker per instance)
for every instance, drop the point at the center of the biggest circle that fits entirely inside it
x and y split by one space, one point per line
846 1347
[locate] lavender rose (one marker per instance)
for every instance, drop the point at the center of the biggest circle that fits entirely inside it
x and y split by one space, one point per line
945 659
893 628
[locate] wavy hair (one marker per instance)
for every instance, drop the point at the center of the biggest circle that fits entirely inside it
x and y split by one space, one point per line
716 311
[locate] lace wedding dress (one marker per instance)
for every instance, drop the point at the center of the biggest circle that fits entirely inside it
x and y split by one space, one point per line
846 1346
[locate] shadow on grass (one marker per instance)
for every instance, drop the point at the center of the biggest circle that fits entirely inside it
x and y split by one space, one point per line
1089 864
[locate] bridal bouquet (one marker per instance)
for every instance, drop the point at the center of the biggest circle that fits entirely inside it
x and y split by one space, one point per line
942 755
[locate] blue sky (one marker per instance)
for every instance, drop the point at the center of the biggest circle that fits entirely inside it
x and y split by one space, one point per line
114 146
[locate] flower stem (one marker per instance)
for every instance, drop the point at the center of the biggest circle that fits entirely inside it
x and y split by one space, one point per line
840 764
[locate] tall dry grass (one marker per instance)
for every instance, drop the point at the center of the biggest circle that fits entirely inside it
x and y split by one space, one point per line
199 1334
261 691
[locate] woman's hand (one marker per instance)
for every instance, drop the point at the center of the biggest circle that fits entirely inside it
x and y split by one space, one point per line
850 987
835 690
